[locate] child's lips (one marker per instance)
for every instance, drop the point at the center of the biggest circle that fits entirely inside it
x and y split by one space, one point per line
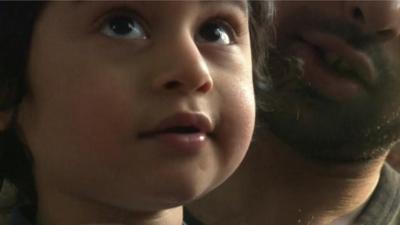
183 132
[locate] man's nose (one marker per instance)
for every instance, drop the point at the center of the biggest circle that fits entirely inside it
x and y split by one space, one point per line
184 68
381 18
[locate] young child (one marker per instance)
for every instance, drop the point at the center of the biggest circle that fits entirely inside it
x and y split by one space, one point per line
120 112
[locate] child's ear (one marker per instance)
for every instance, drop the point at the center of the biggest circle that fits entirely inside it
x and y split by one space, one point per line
5 117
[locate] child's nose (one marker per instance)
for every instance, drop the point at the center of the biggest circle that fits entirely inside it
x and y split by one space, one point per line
185 68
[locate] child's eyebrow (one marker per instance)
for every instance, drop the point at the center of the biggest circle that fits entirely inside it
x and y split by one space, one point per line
241 4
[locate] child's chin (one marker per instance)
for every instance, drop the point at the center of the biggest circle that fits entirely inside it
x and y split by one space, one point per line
184 194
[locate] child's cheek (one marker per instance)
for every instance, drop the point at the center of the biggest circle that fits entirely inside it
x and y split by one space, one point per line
238 121
237 113
102 119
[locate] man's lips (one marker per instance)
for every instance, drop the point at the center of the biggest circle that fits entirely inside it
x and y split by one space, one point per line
182 131
334 68
335 48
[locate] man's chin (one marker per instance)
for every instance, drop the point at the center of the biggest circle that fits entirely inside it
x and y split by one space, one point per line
333 140
322 152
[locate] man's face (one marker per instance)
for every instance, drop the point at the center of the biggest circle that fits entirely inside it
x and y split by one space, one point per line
336 78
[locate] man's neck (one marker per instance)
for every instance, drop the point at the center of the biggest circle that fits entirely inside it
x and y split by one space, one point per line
274 186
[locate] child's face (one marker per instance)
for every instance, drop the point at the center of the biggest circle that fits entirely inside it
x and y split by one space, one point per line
139 105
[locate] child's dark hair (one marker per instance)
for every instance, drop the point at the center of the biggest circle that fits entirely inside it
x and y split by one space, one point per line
17 21
262 35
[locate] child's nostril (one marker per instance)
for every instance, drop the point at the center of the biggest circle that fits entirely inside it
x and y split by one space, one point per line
358 15
171 85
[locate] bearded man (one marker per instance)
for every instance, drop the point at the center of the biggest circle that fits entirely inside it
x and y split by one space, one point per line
328 119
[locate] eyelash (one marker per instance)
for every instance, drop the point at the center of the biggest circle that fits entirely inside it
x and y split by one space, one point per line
120 11
229 20
235 26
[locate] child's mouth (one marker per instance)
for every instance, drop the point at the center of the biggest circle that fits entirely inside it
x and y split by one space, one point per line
182 132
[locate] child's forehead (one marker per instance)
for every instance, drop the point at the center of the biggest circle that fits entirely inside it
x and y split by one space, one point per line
241 4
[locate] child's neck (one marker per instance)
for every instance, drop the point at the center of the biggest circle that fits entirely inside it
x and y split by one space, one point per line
62 209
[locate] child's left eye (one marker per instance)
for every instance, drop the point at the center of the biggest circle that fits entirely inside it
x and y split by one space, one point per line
124 27
219 33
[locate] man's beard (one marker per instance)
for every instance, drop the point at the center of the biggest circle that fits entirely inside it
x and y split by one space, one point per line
362 128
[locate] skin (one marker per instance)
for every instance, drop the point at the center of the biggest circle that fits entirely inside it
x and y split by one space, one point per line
394 158
307 168
344 120
92 92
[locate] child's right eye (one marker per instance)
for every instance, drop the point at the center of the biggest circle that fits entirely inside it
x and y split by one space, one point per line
215 32
123 27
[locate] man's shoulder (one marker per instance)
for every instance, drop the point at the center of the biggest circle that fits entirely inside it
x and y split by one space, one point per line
383 208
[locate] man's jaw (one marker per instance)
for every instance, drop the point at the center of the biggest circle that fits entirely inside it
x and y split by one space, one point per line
332 84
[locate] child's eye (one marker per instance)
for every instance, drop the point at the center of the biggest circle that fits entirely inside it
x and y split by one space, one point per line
218 33
124 27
